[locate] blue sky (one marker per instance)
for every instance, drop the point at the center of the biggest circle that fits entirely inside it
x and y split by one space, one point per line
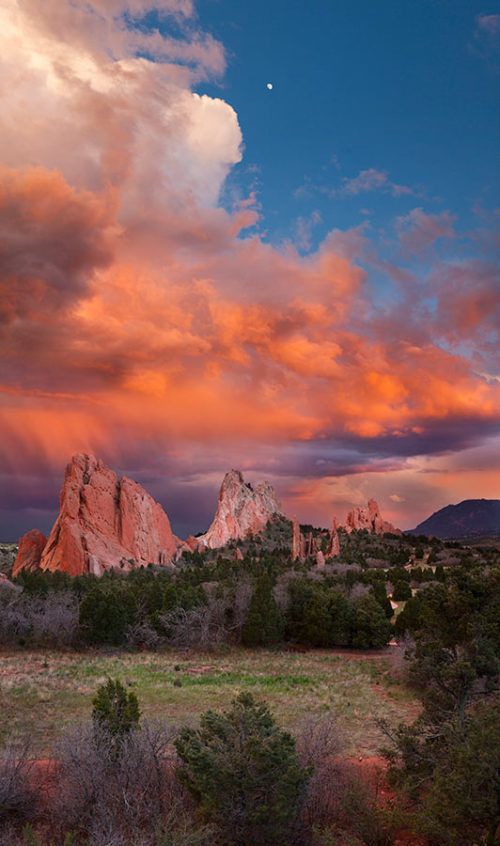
407 89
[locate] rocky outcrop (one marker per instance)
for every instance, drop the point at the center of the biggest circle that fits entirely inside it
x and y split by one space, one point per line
334 544
241 510
29 553
105 522
320 559
305 546
296 551
6 584
369 517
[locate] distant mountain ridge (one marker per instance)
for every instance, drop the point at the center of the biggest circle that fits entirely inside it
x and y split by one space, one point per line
469 518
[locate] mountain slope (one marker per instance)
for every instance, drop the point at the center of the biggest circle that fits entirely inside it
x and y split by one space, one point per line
468 518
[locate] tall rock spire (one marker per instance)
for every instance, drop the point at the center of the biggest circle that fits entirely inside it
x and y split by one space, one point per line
241 510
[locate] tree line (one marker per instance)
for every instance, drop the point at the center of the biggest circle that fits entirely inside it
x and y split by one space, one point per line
262 600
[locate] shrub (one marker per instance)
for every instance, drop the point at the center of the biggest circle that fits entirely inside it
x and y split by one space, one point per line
344 807
319 738
18 793
115 712
49 619
245 773
201 627
113 798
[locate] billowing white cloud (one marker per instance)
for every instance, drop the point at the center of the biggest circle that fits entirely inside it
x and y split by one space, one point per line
75 77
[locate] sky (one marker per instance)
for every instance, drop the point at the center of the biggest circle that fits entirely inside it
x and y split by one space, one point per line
260 236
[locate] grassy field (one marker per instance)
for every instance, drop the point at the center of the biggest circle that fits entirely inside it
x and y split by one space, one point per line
43 693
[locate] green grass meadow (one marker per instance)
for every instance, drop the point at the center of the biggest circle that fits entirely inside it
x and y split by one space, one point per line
43 693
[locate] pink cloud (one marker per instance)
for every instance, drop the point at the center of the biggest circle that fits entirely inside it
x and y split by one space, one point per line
468 310
486 40
489 24
304 228
373 180
417 231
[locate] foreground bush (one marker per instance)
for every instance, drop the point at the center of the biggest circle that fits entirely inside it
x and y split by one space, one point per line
245 773
343 805
18 792
115 712
110 798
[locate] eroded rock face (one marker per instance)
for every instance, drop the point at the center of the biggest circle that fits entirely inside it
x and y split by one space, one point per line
240 510
334 543
105 522
296 540
369 517
320 559
29 553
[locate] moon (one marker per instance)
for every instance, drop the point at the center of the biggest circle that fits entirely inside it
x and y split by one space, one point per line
270 86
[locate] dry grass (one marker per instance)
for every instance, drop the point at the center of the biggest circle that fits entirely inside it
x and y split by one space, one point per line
45 692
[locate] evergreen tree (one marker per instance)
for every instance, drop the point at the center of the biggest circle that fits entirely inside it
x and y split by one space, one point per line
449 759
383 600
342 619
410 617
464 801
245 773
104 616
372 629
316 627
401 592
264 623
115 712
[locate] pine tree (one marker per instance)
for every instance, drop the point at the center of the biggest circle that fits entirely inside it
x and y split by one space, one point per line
264 623
372 629
245 773
115 712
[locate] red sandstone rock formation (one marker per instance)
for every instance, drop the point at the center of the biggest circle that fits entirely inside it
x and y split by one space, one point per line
192 543
240 510
29 552
320 559
105 522
334 545
296 540
369 517
303 546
